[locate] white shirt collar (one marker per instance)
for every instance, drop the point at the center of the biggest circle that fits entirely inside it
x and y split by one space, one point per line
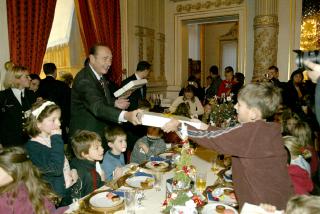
17 93
50 75
98 76
138 78
300 161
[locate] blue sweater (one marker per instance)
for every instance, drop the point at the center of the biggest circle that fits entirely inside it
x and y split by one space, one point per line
50 162
156 146
110 163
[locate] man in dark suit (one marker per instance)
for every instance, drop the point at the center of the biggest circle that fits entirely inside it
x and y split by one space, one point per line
142 72
273 77
134 133
14 102
58 92
92 106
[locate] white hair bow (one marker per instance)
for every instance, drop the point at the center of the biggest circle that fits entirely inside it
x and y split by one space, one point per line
38 111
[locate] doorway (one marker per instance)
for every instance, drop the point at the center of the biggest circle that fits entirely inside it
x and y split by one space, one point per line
222 16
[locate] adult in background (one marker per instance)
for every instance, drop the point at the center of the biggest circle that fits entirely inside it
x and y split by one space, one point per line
196 108
15 100
67 78
35 82
142 72
239 79
216 82
195 83
295 92
136 97
207 89
273 76
92 106
57 92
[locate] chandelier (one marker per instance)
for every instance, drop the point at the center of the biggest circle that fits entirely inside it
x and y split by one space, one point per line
310 28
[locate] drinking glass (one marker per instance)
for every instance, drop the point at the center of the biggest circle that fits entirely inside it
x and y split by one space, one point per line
201 181
139 197
214 165
158 181
130 201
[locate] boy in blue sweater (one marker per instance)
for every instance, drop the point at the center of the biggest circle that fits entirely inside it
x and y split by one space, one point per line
113 160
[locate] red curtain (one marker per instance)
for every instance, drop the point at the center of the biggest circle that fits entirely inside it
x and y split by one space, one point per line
29 26
99 22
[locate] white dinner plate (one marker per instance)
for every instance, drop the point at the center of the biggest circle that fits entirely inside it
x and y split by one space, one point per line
211 208
157 165
100 200
223 198
167 155
136 181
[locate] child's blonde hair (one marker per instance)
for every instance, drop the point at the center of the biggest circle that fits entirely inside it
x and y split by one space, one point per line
111 133
263 96
296 147
303 204
16 163
82 141
14 73
302 131
39 111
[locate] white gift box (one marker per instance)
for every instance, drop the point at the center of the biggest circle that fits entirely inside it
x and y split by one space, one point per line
159 120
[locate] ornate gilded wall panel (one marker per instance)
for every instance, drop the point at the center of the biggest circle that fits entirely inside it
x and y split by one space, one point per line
161 41
186 8
146 46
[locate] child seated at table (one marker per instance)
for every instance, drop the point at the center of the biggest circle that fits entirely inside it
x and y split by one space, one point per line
113 160
88 151
21 188
46 148
147 146
298 167
259 160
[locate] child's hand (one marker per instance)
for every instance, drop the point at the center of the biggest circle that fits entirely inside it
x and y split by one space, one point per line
117 173
170 126
144 147
56 131
268 208
203 125
74 175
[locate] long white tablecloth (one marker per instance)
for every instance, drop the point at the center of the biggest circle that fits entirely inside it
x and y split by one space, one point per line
152 203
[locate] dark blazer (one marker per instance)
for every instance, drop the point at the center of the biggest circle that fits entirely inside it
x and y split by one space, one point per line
88 176
137 95
12 117
58 92
91 109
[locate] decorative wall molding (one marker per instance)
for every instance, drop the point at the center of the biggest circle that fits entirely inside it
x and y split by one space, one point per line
175 1
266 20
146 46
161 39
206 5
232 33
